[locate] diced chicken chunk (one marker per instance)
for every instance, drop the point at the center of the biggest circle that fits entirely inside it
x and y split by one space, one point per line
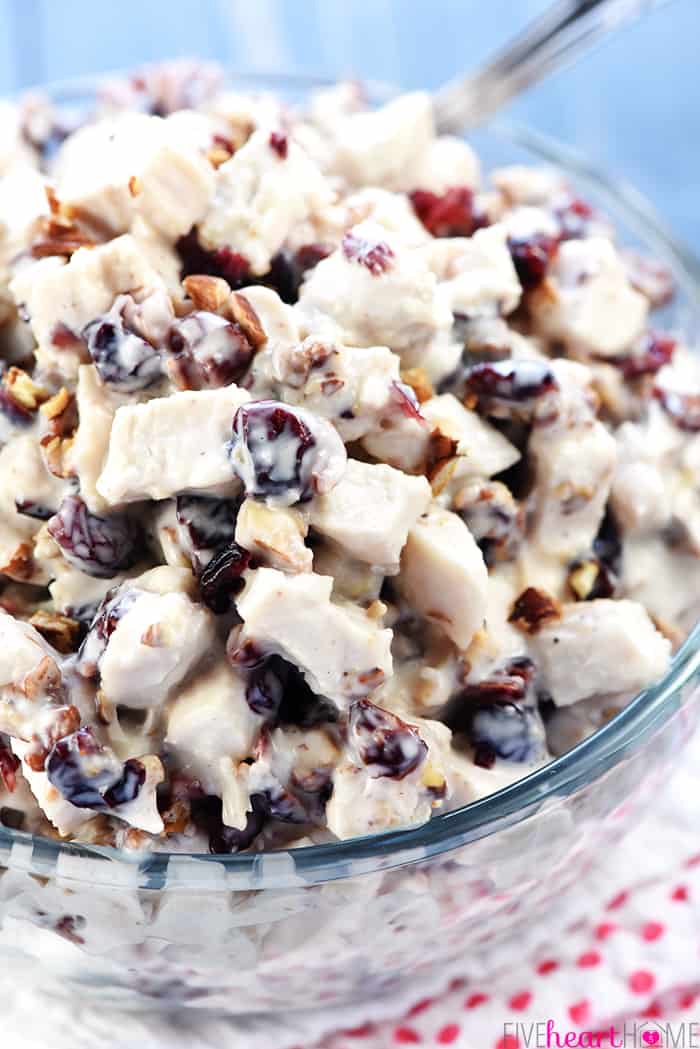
67 818
393 211
210 719
155 643
363 804
476 274
23 203
483 451
277 319
389 298
351 385
147 457
638 498
597 648
267 187
379 146
25 484
22 648
96 409
447 162
522 184
588 302
63 299
342 652
370 511
574 468
274 535
443 575
135 164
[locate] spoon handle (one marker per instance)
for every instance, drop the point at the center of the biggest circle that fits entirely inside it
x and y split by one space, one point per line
558 36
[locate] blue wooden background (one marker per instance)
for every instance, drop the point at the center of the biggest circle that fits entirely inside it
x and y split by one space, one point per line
633 104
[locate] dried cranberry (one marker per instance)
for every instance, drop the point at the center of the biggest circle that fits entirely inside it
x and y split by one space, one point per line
82 770
220 579
654 352
279 143
99 546
309 255
495 520
607 545
89 775
123 359
207 815
575 218
278 691
265 689
32 509
376 256
208 351
271 449
115 604
404 396
126 789
510 382
499 716
386 744
13 819
504 731
653 279
210 522
683 408
68 926
64 338
223 262
64 720
449 214
531 257
8 767
287 270
284 806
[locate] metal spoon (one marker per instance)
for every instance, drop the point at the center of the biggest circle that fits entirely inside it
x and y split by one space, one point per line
558 36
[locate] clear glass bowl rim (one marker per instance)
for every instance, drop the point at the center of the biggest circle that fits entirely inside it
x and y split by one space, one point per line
560 777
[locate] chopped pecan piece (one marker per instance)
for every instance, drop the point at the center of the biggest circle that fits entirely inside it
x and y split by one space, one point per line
55 451
65 721
61 631
440 460
60 233
21 563
591 578
417 379
533 609
247 319
61 410
23 390
44 680
207 293
218 155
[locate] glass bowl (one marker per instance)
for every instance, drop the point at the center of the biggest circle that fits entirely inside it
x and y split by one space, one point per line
323 925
